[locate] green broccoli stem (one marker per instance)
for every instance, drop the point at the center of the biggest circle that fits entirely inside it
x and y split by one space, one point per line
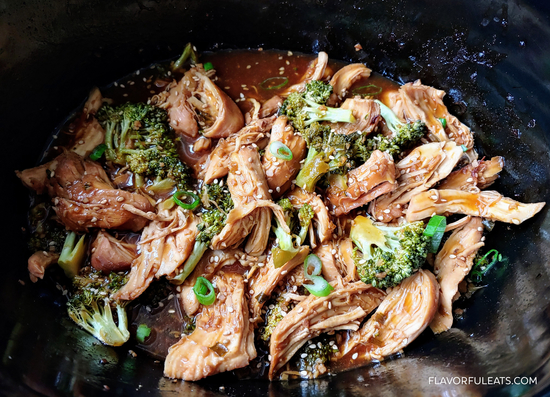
391 119
318 112
314 168
188 52
198 251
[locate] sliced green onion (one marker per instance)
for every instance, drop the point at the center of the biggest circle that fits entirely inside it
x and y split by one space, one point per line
443 122
98 151
274 83
204 291
435 229
480 268
143 331
186 206
280 150
320 286
208 66
464 148
367 90
188 52
314 261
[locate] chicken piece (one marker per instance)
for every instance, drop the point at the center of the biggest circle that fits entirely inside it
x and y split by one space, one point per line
415 101
298 197
345 251
180 112
401 317
265 280
202 144
83 195
487 204
366 113
39 262
254 133
475 176
223 339
280 173
452 264
421 169
110 254
317 70
331 267
343 308
343 79
271 106
372 179
249 191
165 244
88 132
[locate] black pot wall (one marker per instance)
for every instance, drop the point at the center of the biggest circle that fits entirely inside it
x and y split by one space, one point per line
491 57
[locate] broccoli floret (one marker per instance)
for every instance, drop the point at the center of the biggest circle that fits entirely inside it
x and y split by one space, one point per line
305 215
91 308
385 256
73 254
302 110
273 316
315 353
404 135
138 135
212 222
45 233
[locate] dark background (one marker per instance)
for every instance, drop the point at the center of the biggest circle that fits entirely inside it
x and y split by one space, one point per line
491 57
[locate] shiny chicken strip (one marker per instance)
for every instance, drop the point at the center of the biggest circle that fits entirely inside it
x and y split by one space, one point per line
452 264
365 183
254 133
298 197
401 317
475 176
88 131
197 97
487 204
415 101
331 269
421 169
279 172
39 262
249 191
83 195
264 281
223 339
317 70
110 254
366 113
342 309
164 246
344 79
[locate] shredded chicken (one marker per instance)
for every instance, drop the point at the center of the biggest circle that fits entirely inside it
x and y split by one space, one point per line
343 79
110 254
254 133
88 132
343 308
474 176
280 173
164 246
331 267
368 181
270 107
83 195
39 262
415 101
345 251
298 197
366 113
421 169
223 339
401 317
487 204
196 99
453 262
317 70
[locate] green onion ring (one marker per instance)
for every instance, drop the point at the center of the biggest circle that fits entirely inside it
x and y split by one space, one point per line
363 90
191 206
280 150
272 80
435 229
443 122
320 286
204 291
98 151
143 331
208 66
314 261
464 148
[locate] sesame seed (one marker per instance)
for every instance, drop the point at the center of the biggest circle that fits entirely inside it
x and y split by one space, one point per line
230 309
386 211
312 346
355 355
480 229
516 221
469 180
303 373
452 256
303 355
